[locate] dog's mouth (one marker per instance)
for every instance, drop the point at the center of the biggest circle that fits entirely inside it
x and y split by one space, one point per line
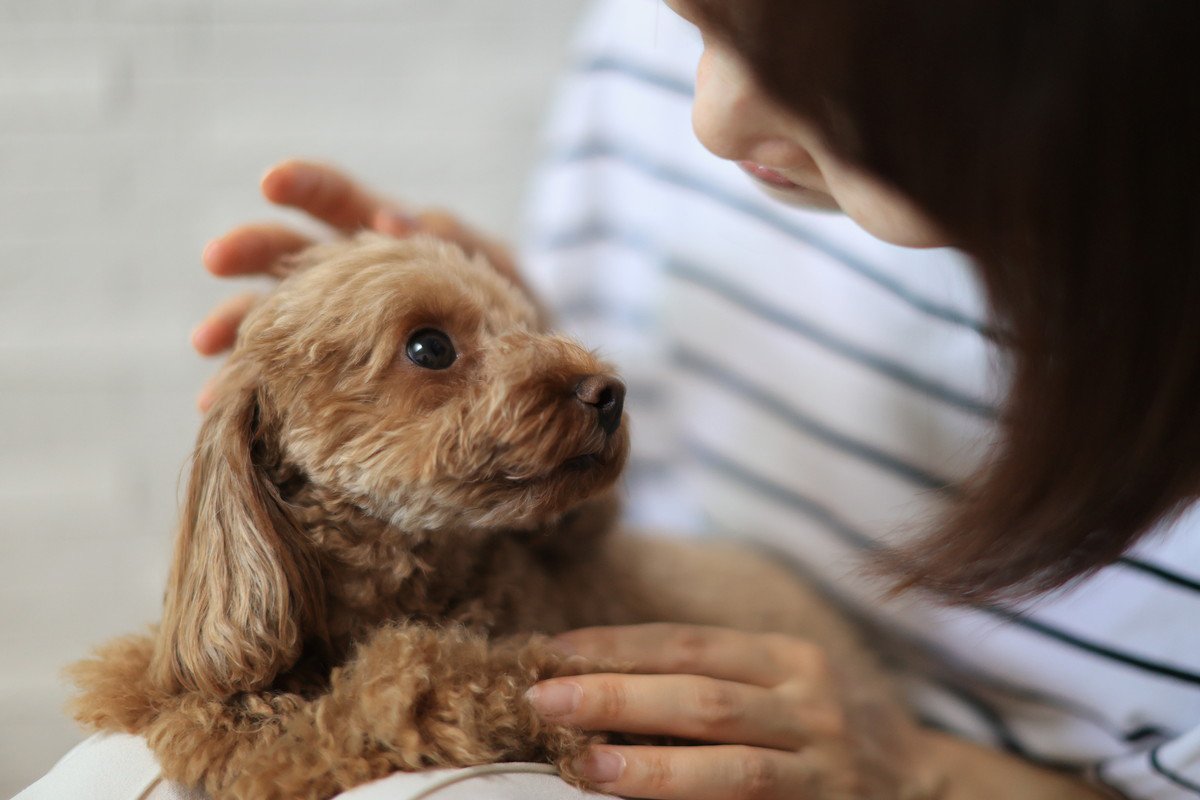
575 465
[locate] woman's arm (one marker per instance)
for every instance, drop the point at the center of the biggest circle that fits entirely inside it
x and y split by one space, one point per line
968 771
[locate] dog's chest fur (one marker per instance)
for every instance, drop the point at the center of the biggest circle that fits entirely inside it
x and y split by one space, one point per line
496 582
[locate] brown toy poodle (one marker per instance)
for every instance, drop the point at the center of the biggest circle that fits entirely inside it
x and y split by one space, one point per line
401 488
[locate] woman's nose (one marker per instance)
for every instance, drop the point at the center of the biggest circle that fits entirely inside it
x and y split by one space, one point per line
736 121
728 111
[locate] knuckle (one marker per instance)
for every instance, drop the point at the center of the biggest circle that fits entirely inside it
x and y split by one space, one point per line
810 658
757 778
820 663
717 706
687 648
829 722
658 776
855 784
611 701
440 222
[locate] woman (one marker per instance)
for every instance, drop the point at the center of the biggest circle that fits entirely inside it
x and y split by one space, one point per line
838 394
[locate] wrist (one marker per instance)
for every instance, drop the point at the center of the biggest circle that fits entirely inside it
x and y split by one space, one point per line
928 779
948 768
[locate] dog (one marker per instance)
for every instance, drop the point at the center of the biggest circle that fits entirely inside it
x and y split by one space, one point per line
405 485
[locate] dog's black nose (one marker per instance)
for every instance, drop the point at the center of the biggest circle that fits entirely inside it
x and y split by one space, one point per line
607 395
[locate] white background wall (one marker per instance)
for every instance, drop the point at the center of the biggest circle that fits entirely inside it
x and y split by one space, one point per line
131 131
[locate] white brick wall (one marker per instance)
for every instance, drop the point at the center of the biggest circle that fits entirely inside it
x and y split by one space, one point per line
131 131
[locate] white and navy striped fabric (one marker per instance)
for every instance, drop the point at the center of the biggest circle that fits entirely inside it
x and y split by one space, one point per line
799 384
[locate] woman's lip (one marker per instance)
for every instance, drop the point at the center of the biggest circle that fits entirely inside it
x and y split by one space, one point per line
767 175
788 191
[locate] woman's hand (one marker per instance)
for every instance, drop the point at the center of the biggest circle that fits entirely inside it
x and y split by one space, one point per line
781 724
335 199
772 707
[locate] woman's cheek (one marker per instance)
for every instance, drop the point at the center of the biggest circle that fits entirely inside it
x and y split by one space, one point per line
882 211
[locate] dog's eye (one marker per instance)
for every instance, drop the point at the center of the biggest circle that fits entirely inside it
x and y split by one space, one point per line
431 349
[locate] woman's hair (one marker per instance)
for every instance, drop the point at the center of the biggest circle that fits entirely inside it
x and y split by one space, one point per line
1058 143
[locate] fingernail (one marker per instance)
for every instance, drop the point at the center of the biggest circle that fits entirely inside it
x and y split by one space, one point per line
204 401
390 220
555 699
271 183
602 766
563 646
209 256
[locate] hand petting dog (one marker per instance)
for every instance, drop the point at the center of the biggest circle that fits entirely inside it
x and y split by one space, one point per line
336 200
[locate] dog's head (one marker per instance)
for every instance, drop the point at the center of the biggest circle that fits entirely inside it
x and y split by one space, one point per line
403 377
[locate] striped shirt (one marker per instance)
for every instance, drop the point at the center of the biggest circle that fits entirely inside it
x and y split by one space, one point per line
799 384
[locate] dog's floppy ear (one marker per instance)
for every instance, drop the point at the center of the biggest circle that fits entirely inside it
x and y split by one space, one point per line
244 593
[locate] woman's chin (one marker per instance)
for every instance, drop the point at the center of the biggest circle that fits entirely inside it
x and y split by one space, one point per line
799 197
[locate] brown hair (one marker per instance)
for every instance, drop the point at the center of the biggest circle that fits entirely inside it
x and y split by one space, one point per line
1050 140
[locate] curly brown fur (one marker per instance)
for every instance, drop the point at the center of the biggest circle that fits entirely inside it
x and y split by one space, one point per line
410 697
367 545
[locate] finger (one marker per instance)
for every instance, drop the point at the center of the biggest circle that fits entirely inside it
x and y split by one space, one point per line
208 393
445 225
252 249
762 659
441 224
394 222
323 192
697 773
218 331
688 706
